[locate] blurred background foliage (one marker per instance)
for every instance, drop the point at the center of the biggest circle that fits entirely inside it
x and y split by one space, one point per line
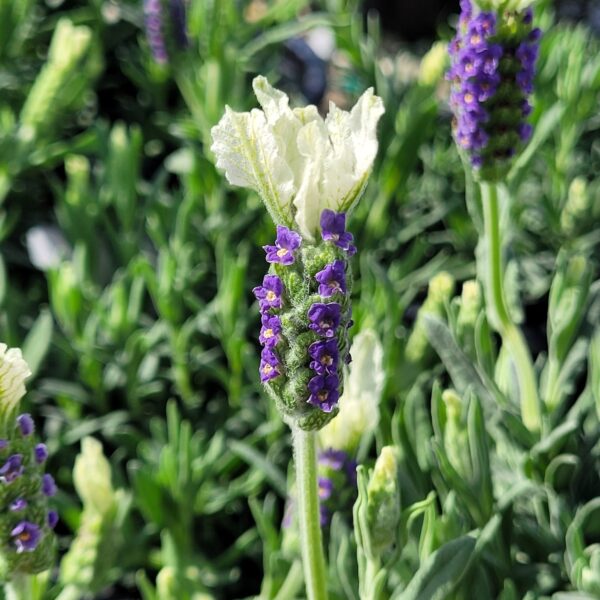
126 269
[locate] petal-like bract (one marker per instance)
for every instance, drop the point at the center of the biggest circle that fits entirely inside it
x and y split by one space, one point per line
297 162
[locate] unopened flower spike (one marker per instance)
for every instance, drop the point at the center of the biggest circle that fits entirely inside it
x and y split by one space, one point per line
27 542
493 60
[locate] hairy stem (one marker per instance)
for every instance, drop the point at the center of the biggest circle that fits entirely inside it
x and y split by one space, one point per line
305 454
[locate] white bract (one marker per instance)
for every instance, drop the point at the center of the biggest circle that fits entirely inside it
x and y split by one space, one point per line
359 404
504 5
13 372
296 161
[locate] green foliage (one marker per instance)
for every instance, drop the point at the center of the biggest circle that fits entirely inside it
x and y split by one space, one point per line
126 269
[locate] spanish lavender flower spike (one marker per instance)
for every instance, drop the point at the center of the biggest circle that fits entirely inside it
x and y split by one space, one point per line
165 24
493 60
305 297
27 543
153 18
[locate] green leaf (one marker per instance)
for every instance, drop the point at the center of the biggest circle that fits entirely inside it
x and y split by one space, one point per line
38 340
440 573
464 375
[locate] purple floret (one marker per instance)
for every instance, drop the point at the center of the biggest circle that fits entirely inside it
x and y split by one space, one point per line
12 468
269 293
332 279
325 356
333 459
333 229
286 244
41 453
48 485
269 365
26 536
52 519
324 392
270 330
325 318
325 488
18 505
25 423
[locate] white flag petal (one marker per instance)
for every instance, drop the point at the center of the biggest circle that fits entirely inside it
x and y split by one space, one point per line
298 163
312 145
248 152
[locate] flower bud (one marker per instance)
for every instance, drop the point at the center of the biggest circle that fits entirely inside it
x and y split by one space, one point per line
69 48
576 207
441 288
470 305
493 60
383 502
91 557
433 64
456 442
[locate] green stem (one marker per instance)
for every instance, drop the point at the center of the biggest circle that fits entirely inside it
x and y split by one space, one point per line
305 454
371 589
499 315
25 587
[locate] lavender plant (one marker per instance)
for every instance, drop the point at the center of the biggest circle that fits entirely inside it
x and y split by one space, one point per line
309 173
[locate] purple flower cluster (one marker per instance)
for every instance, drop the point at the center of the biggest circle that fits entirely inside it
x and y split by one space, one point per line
325 318
337 482
492 70
161 25
270 299
19 468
